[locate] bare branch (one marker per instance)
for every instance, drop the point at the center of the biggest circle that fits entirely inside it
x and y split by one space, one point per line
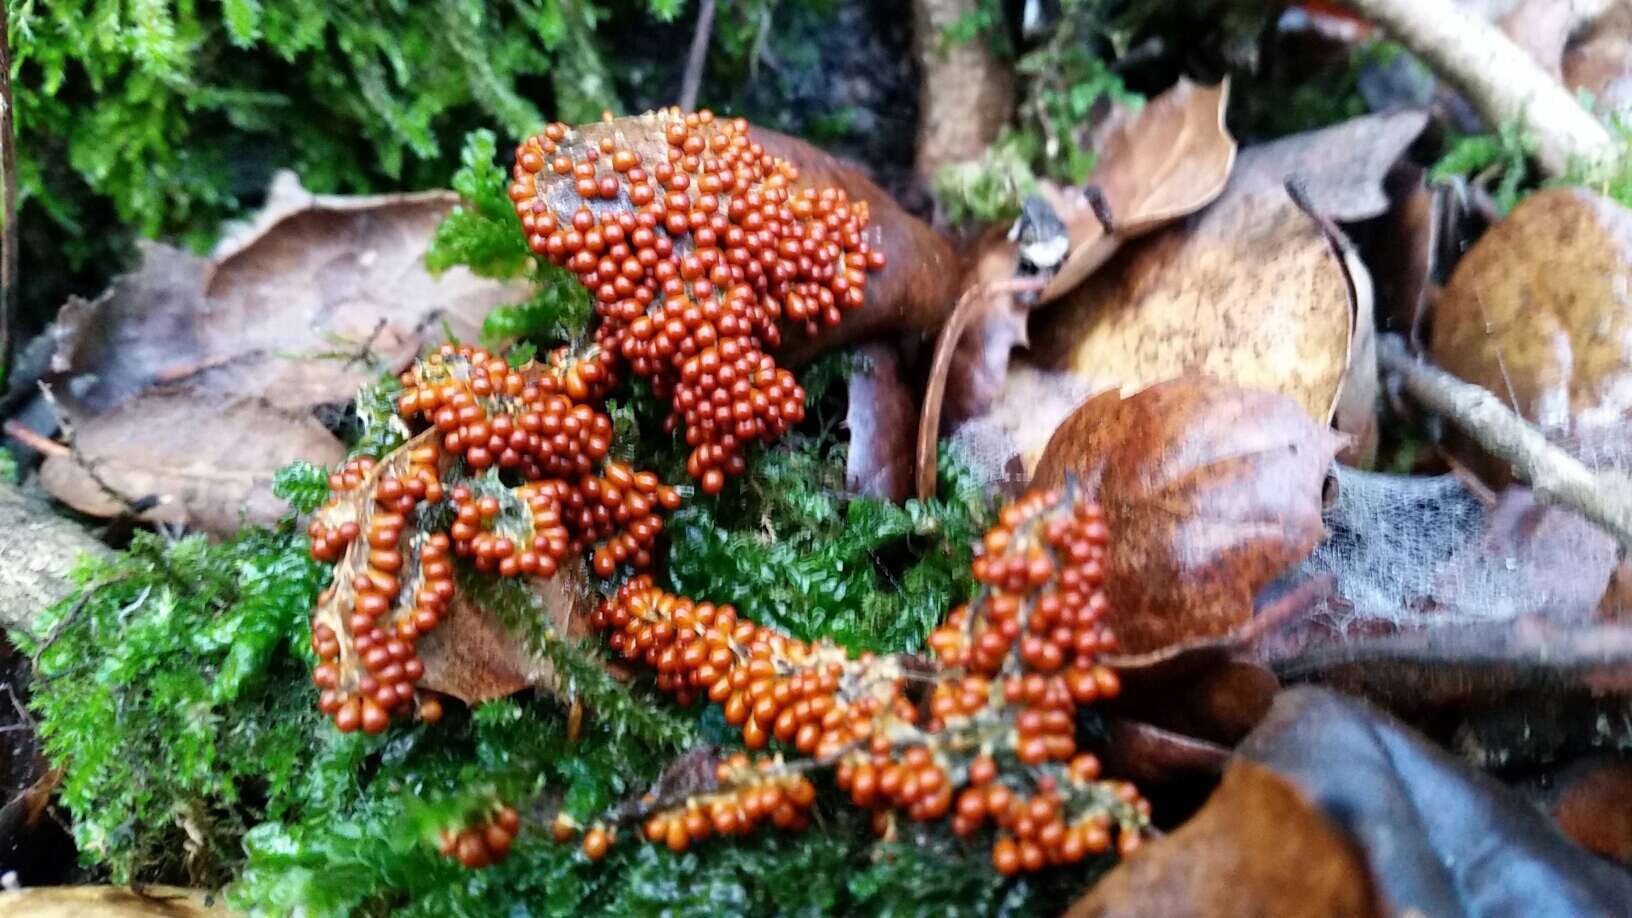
1502 81
1557 477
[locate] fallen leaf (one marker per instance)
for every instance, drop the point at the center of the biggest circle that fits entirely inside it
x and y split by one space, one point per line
1251 290
1258 847
1341 169
111 902
1588 802
1146 754
1539 312
474 657
882 418
193 380
1599 62
1438 837
1210 493
1170 160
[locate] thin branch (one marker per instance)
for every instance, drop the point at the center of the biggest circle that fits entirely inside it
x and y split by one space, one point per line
1557 477
692 82
1501 80
973 303
8 188
33 439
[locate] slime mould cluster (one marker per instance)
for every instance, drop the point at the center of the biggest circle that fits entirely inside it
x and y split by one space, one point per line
988 735
696 244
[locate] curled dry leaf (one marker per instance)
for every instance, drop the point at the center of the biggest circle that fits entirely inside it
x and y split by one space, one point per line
1539 312
1260 289
881 417
474 657
1258 847
1211 491
1599 62
1438 837
1170 160
193 380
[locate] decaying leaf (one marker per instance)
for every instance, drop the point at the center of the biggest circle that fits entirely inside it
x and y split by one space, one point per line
1588 801
193 380
882 418
1539 312
1211 492
111 902
1171 159
469 654
1253 289
1438 837
1599 62
475 657
1259 847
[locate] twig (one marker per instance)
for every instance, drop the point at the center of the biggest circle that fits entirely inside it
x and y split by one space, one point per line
1556 476
33 439
1501 80
8 188
970 305
692 81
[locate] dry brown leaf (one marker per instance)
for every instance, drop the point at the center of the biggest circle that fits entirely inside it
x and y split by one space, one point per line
1539 312
1170 160
475 658
882 418
1210 492
1437 837
193 380
470 654
1251 292
1599 62
1258 847
1588 801
111 902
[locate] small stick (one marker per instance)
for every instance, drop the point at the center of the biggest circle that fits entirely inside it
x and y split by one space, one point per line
1557 477
691 83
973 301
33 439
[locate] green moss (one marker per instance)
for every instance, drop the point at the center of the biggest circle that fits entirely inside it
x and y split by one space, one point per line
174 694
